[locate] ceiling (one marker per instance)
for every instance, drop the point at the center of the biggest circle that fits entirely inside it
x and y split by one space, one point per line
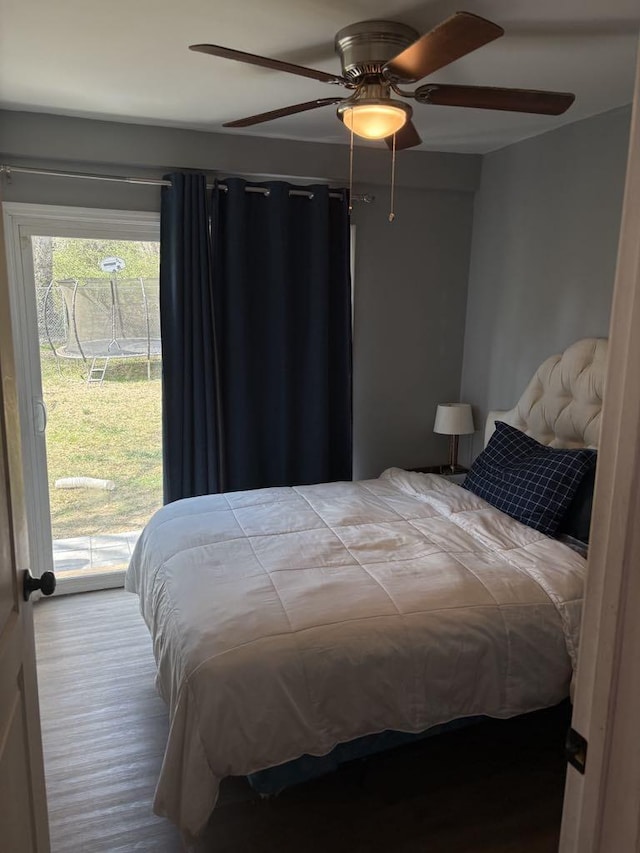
128 61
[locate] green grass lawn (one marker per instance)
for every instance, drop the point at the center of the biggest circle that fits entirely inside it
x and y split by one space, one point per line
110 431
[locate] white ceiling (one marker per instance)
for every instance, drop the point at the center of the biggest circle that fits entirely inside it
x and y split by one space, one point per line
129 61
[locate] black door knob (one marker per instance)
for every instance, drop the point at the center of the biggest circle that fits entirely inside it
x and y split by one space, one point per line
46 583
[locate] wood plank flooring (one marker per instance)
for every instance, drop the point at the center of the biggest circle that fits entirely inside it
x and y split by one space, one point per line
493 788
104 727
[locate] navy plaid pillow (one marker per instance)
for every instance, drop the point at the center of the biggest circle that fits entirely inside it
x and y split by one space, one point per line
527 480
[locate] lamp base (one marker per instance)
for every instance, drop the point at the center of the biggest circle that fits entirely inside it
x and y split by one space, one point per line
453 453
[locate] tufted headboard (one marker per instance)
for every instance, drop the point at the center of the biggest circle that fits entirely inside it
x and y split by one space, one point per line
562 404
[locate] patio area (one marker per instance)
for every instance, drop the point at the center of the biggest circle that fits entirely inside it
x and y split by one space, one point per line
93 554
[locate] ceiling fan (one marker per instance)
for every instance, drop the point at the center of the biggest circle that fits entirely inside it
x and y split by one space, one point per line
377 57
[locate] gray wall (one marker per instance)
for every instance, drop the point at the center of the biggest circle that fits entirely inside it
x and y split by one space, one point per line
410 297
411 276
545 235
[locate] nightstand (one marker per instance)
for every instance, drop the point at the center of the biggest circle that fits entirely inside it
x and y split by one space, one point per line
456 476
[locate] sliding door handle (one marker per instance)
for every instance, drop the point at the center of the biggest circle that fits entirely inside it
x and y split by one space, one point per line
39 415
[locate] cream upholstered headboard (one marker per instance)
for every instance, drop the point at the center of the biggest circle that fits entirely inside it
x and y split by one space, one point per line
562 404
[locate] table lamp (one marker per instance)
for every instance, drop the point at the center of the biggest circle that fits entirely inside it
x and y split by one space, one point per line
453 419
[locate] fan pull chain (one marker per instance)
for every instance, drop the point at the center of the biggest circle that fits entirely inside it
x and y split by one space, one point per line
351 170
392 215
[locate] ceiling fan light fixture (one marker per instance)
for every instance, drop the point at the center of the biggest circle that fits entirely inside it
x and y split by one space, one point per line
376 56
374 118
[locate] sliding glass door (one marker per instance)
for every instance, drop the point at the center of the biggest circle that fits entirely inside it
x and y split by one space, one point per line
87 311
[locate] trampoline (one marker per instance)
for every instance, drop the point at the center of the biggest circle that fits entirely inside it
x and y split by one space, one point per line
105 318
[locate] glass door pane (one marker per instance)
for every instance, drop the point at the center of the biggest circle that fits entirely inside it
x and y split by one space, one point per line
100 358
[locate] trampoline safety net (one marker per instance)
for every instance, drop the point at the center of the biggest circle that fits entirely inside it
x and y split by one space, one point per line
105 319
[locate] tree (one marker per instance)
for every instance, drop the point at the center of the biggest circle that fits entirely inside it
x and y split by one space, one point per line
42 248
80 258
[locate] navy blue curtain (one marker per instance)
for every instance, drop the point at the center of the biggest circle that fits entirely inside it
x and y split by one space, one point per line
270 315
189 388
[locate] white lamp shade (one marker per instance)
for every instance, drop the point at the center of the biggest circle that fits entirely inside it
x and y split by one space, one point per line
454 419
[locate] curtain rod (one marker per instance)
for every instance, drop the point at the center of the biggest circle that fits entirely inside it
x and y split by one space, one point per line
7 171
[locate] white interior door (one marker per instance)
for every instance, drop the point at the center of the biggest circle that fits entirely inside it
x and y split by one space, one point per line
602 806
23 223
23 806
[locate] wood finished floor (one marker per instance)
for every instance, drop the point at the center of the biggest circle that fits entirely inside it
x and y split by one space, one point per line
493 788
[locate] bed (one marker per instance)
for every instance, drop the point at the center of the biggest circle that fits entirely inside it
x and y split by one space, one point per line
287 621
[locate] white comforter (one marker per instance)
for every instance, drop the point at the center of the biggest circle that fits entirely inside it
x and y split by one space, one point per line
288 620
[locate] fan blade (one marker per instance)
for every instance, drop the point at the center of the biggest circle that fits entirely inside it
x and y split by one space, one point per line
285 111
458 35
265 62
490 98
406 137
